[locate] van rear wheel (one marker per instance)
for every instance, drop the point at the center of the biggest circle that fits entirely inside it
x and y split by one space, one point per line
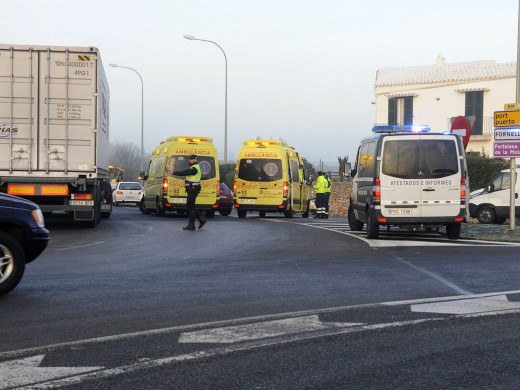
159 210
143 208
486 215
453 230
241 213
355 225
372 225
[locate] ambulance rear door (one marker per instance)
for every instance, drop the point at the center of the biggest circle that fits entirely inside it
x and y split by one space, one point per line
260 180
294 182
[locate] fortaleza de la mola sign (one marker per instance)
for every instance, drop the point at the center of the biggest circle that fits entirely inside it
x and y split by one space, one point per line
506 149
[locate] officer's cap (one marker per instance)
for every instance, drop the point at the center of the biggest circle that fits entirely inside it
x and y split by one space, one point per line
192 157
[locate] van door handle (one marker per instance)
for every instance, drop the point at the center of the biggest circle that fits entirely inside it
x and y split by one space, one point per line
429 189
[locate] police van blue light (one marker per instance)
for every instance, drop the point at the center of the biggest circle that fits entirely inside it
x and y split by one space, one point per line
401 129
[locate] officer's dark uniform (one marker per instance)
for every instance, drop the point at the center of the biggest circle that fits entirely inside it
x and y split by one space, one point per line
192 185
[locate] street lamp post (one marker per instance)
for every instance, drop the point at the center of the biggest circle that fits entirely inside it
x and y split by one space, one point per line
192 38
141 169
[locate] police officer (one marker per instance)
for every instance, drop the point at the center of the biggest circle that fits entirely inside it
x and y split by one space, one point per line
320 187
192 185
327 196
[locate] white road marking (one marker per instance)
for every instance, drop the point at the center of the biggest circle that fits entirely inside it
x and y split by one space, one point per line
79 246
439 278
246 346
26 371
186 328
261 330
467 306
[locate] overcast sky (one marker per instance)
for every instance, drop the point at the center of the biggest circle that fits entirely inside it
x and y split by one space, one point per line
299 70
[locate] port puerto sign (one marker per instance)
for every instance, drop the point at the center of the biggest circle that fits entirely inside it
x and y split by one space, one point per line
507 118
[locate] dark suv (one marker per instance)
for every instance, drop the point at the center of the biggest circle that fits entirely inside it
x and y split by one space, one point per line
23 238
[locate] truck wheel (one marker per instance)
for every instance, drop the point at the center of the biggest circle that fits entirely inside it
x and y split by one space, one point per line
453 230
354 224
225 212
107 199
372 225
486 215
12 263
241 213
143 209
261 214
210 214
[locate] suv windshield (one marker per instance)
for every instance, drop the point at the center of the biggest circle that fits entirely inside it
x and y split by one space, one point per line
206 164
420 159
260 169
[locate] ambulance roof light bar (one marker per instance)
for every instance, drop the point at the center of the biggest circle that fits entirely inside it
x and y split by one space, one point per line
401 129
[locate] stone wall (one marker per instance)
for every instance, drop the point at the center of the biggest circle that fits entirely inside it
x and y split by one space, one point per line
339 198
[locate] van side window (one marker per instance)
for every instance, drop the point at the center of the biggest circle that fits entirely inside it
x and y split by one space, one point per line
502 181
295 176
367 159
156 165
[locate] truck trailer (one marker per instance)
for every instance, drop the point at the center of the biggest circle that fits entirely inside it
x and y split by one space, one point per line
54 129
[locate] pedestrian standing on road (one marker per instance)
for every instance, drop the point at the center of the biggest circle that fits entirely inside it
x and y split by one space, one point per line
192 186
327 196
320 188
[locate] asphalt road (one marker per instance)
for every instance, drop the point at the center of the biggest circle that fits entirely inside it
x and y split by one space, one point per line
270 303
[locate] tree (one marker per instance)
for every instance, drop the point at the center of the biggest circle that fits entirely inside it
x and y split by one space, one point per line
343 161
126 155
309 168
481 169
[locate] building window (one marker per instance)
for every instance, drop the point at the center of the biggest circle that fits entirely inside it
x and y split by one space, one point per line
400 111
474 106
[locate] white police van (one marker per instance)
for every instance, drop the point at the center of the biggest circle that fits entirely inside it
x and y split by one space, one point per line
409 177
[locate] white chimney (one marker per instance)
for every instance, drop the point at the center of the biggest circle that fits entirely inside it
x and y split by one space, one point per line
441 60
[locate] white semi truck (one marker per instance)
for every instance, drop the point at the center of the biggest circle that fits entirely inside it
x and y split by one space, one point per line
54 129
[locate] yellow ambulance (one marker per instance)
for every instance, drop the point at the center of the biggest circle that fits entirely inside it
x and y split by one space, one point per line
270 177
165 192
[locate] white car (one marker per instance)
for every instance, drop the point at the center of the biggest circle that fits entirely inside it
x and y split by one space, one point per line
127 192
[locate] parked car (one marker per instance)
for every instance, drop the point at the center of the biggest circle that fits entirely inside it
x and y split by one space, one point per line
127 192
225 205
23 238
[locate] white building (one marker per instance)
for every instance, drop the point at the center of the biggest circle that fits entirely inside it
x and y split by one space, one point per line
432 95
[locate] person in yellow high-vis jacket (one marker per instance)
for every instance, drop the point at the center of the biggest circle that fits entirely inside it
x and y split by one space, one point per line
320 188
192 185
327 196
